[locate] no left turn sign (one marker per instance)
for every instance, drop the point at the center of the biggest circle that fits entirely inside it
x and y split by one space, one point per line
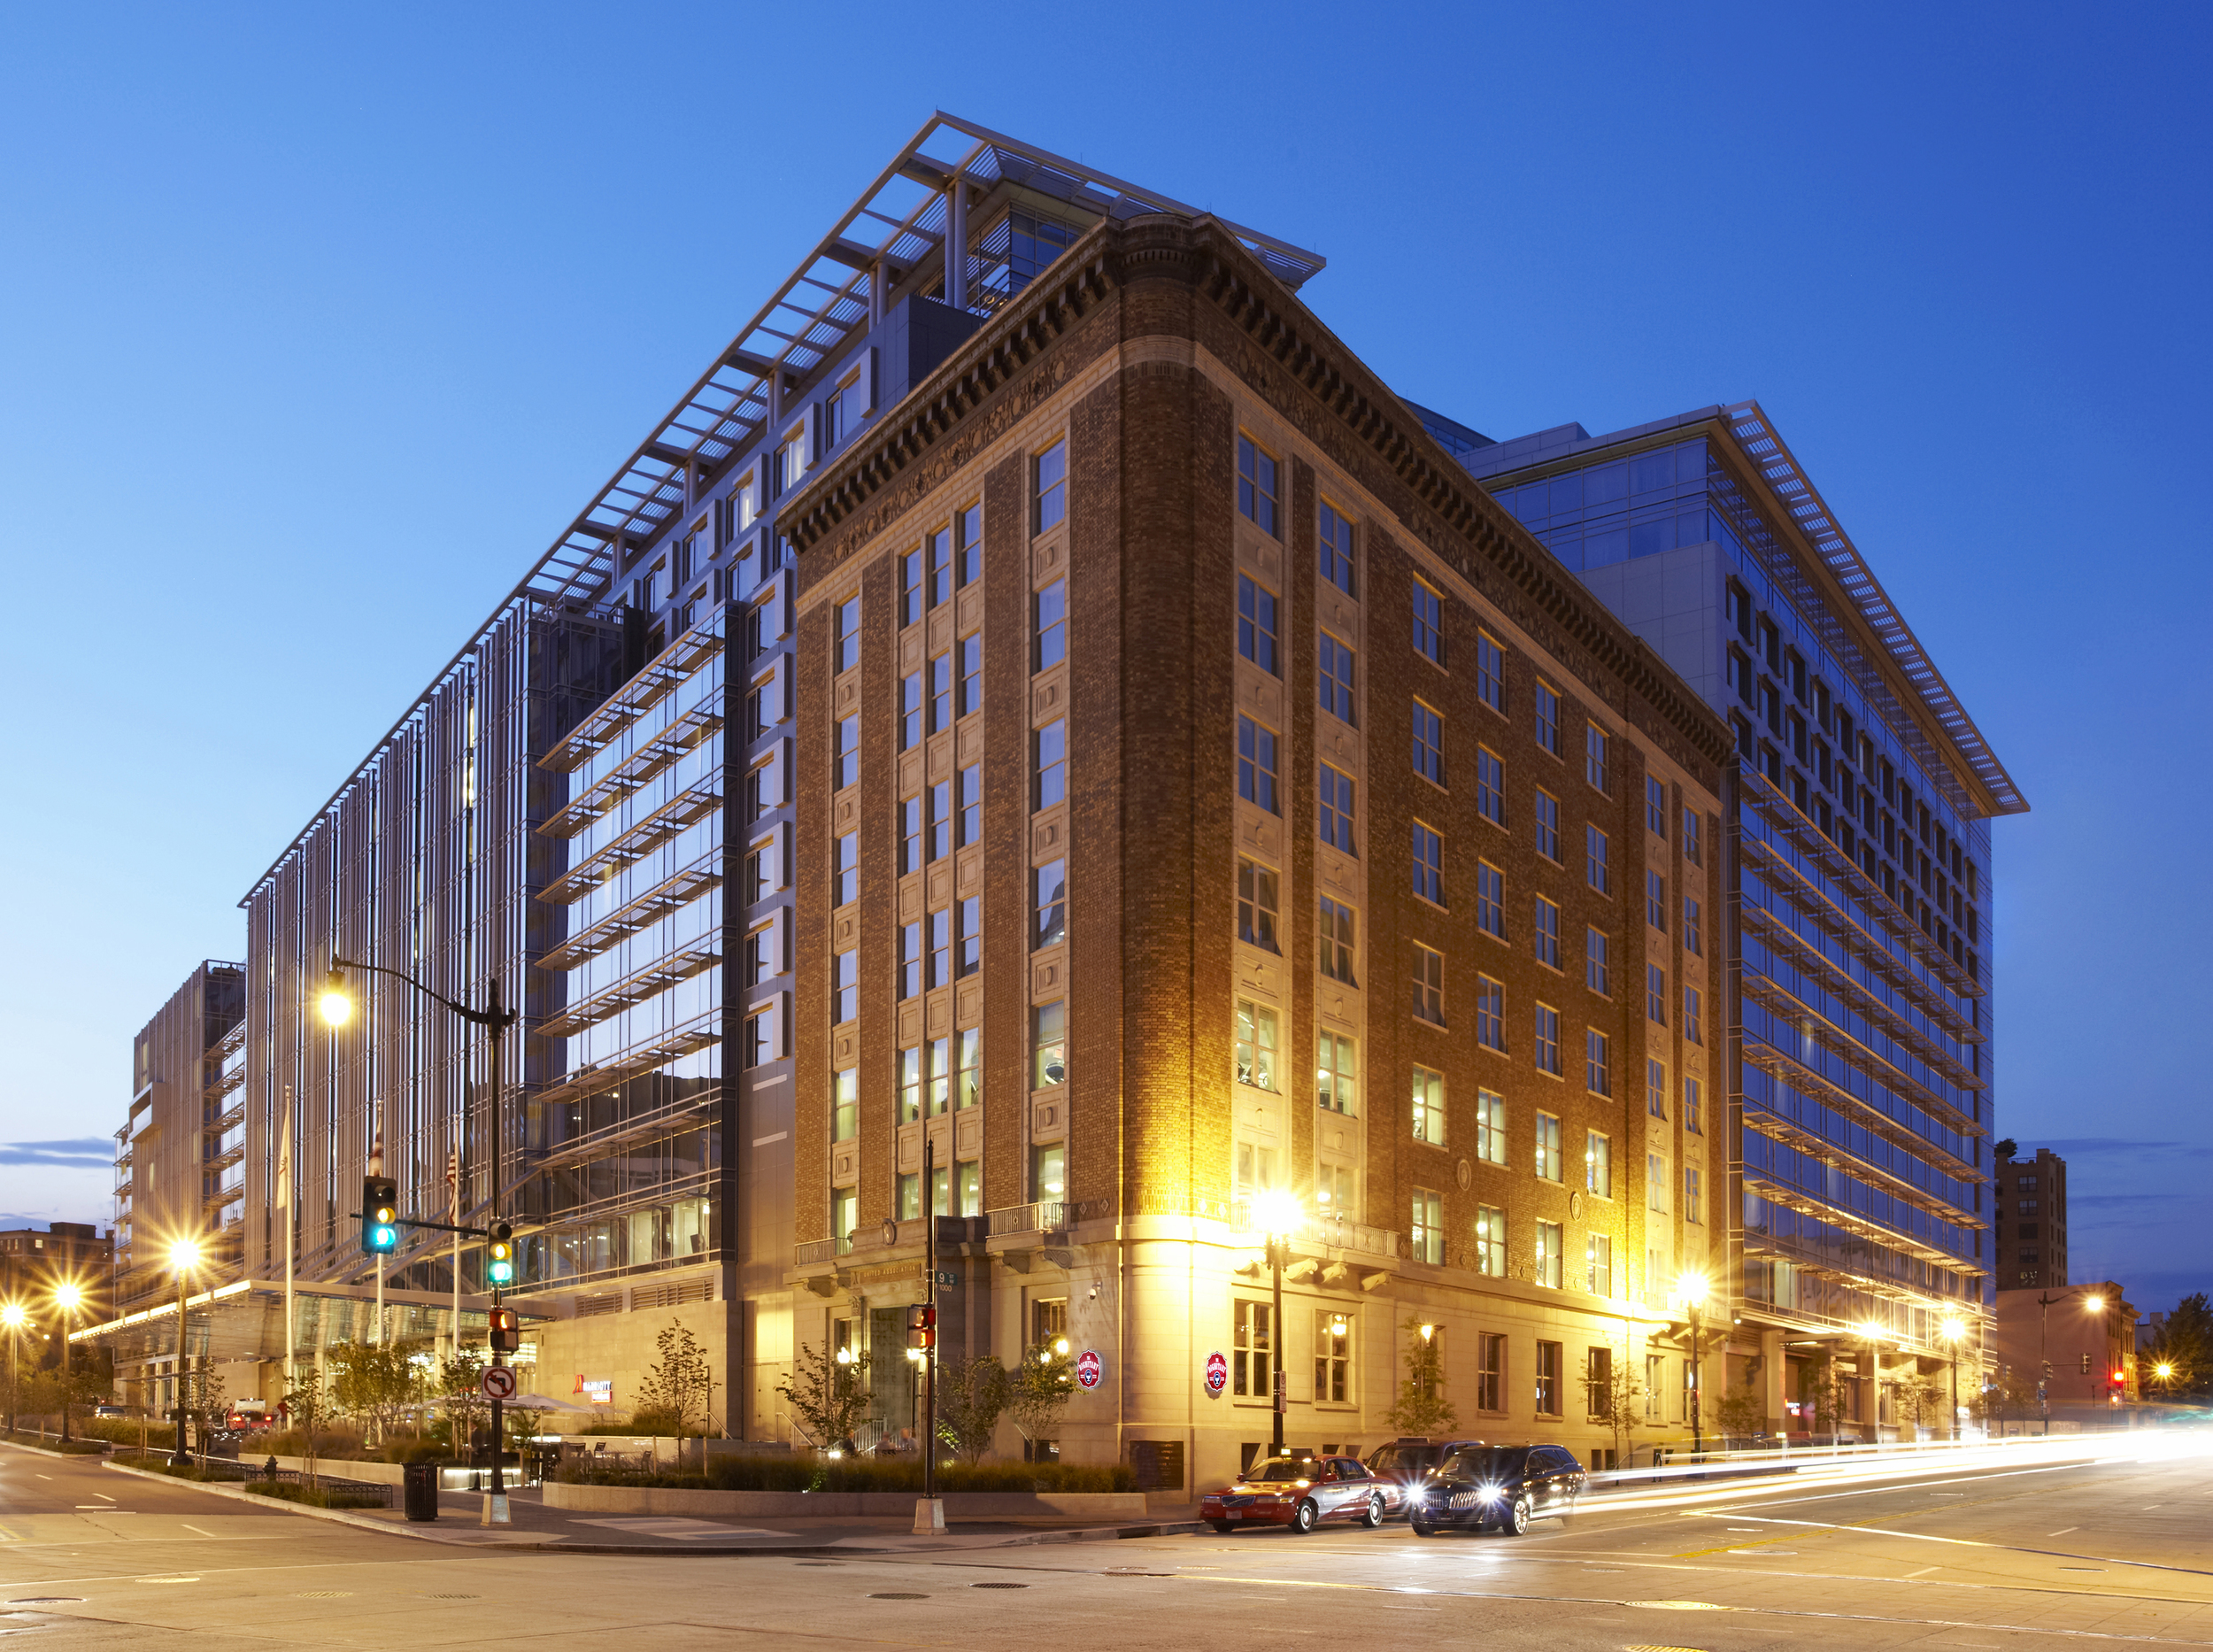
499 1383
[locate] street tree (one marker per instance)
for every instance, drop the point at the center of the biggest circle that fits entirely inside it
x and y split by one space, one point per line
309 1404
676 1393
461 1397
829 1397
2185 1342
1422 1407
1622 1395
1743 1413
972 1396
375 1382
1038 1393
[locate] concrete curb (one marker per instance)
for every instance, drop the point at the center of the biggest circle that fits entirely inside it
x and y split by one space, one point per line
520 1545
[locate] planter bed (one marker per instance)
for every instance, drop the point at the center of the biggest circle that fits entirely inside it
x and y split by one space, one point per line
653 1500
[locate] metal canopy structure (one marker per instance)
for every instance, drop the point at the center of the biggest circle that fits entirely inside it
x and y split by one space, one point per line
897 227
245 1320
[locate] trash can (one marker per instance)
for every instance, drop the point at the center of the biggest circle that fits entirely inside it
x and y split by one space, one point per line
419 1483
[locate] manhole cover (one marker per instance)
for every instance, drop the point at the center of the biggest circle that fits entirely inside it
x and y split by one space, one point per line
1678 1606
999 1585
898 1594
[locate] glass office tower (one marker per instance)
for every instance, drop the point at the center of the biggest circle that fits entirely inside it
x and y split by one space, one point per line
1858 917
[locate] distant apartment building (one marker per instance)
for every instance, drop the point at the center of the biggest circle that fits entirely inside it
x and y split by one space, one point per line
35 1262
2029 1219
1856 920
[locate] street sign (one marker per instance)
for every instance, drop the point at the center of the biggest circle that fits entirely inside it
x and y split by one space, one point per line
946 1280
499 1383
1090 1368
1217 1372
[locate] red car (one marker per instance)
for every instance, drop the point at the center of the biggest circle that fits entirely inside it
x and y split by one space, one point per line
1300 1493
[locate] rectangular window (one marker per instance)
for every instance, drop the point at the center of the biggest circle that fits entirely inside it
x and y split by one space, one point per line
940 948
1548 1162
1336 941
911 836
1490 900
1429 864
1655 805
1598 1062
1694 1199
1693 1022
1548 1041
910 710
1256 1046
1336 1073
1049 1173
1489 1127
1256 904
968 1179
967 1082
792 457
972 673
968 529
1336 548
910 961
940 1092
910 1196
1597 863
1548 827
1598 1255
845 987
1656 900
1549 1361
1333 1191
1256 764
1552 1240
1490 672
1491 1352
968 953
1656 1088
941 693
1429 637
1547 717
1657 1182
941 566
1429 744
1490 786
1597 952
1693 933
1656 994
1252 1374
1428 1107
911 587
1547 932
1337 809
1490 1249
845 760
1052 909
1256 625
1049 1045
846 879
1690 835
1049 478
1692 1109
1256 485
1428 1226
845 1105
848 633
1491 1014
1595 768
1049 623
1429 984
1050 768
1334 678
972 803
1655 1387
1598 1163
1332 1357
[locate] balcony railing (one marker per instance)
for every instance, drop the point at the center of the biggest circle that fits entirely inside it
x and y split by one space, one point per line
1326 1232
1047 1216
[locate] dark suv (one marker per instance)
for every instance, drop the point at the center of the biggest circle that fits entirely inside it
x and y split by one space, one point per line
1400 1464
1507 1486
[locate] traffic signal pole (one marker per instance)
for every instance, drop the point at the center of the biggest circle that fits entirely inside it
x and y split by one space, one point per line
929 1514
496 1508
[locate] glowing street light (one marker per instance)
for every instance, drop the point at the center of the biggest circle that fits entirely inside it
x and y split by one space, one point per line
184 1256
1278 1214
338 1003
67 1296
14 1318
1690 1291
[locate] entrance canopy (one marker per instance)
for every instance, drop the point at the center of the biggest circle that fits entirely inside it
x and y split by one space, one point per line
245 1320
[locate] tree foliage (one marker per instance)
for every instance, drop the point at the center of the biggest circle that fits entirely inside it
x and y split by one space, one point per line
677 1391
1422 1407
1624 1397
2186 1342
828 1400
1743 1413
972 1396
1039 1391
375 1382
310 1408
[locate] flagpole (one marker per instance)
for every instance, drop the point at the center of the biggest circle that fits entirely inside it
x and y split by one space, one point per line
453 1186
284 1198
376 1167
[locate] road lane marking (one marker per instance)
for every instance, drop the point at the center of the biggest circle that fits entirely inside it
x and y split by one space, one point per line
2063 1531
1924 1572
194 1528
104 1497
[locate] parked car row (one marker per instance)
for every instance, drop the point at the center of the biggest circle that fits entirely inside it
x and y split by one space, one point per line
1436 1484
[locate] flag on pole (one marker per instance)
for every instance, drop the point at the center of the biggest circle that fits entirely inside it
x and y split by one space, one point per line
284 1155
453 1181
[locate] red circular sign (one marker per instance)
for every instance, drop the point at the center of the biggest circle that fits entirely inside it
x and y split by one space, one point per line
1217 1372
1090 1368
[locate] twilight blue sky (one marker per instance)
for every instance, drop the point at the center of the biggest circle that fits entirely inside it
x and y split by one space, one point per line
317 323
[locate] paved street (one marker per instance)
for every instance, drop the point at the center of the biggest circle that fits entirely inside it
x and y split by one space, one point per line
2021 1555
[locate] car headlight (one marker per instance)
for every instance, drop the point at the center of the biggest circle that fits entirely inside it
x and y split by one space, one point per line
1493 1493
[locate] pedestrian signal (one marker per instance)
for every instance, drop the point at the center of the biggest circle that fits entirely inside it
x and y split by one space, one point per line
506 1330
921 1327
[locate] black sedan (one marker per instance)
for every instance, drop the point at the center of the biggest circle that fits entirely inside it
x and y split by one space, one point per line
1506 1486
1402 1465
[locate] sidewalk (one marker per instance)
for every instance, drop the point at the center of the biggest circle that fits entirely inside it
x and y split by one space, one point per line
534 1528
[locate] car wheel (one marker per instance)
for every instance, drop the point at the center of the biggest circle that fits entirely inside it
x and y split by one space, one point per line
1421 1527
1374 1517
1517 1517
1303 1517
1223 1525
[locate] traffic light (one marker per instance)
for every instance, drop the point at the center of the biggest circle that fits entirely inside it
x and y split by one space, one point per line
2119 1379
506 1330
921 1327
499 1256
379 1215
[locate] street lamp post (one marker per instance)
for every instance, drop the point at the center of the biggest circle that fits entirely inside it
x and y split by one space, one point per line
1278 1214
67 1296
2045 1302
1690 1289
11 1316
184 1256
496 1019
